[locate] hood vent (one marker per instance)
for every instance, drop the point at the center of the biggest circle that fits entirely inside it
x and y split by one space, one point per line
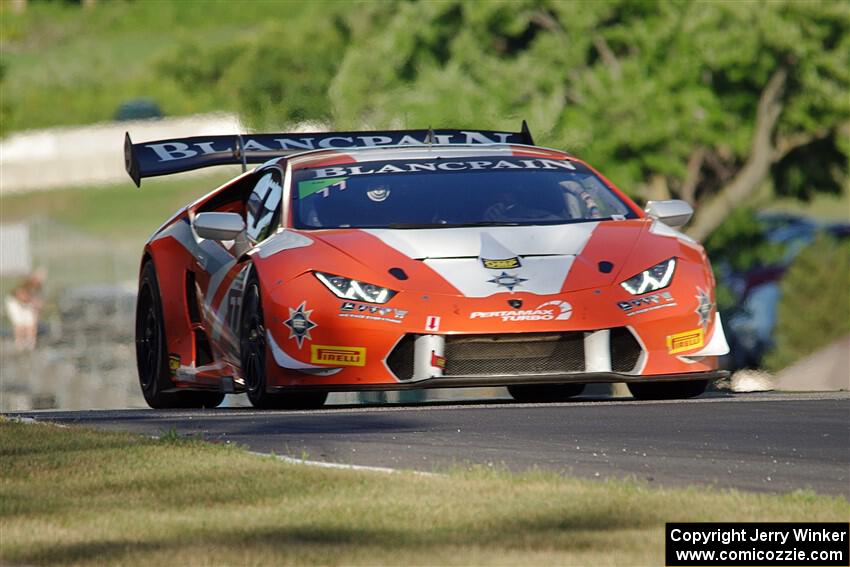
398 273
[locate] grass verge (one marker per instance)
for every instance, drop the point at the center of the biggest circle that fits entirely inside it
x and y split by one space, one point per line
79 497
113 212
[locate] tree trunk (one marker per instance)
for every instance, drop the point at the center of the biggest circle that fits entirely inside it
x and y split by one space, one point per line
658 189
755 170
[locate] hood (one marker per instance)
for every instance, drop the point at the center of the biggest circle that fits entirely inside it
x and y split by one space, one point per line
483 261
421 244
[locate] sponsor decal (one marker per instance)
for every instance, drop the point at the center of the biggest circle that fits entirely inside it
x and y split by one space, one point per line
435 166
687 340
550 311
704 307
356 310
179 150
507 280
506 264
338 355
432 323
438 361
565 310
378 194
323 186
299 323
647 303
173 363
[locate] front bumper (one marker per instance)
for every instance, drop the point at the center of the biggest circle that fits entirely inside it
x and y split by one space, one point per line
371 347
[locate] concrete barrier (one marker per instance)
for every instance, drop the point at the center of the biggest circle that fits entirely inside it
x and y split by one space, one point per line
826 370
91 155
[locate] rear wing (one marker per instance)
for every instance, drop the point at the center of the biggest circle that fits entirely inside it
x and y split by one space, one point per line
163 157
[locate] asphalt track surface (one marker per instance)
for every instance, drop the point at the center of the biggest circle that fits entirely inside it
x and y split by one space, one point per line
761 442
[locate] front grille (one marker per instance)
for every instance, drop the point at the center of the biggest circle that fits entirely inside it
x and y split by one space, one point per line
519 354
625 350
516 354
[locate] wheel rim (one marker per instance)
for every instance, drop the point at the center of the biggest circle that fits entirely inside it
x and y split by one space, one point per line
253 341
147 339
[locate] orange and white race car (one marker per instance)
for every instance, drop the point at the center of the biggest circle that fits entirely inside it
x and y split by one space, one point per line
414 259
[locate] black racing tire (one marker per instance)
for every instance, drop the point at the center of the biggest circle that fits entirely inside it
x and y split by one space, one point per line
541 393
151 350
667 390
254 354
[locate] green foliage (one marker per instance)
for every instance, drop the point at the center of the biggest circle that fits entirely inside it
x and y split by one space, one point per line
815 306
739 244
115 212
170 436
635 86
640 88
809 170
268 75
72 65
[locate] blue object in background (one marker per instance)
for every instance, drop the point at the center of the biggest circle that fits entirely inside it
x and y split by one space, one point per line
750 325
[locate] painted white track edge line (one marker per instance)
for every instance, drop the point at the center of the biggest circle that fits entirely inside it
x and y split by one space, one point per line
342 466
284 458
33 421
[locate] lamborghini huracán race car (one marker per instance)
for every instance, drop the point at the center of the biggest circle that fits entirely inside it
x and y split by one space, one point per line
414 259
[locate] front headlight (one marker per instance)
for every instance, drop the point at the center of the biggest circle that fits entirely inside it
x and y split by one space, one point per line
653 279
347 288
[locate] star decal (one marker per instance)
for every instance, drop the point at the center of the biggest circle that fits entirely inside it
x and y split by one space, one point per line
704 307
299 323
507 280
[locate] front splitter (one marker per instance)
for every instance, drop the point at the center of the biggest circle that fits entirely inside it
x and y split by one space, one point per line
507 380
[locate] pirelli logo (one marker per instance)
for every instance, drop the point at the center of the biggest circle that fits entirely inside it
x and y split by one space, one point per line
506 264
688 340
338 355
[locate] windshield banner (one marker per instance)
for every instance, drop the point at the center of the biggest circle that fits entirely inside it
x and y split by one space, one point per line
420 166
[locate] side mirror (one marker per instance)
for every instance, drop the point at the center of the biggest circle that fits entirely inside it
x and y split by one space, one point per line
673 212
219 226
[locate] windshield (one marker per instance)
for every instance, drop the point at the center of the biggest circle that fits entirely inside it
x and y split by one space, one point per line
449 193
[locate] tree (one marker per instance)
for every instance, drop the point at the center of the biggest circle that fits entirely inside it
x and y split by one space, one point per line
278 75
703 101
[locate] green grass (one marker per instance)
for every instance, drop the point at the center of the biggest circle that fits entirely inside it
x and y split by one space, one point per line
77 497
96 234
116 213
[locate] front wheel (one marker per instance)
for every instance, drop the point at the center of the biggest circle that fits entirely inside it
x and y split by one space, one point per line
254 355
545 392
667 390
